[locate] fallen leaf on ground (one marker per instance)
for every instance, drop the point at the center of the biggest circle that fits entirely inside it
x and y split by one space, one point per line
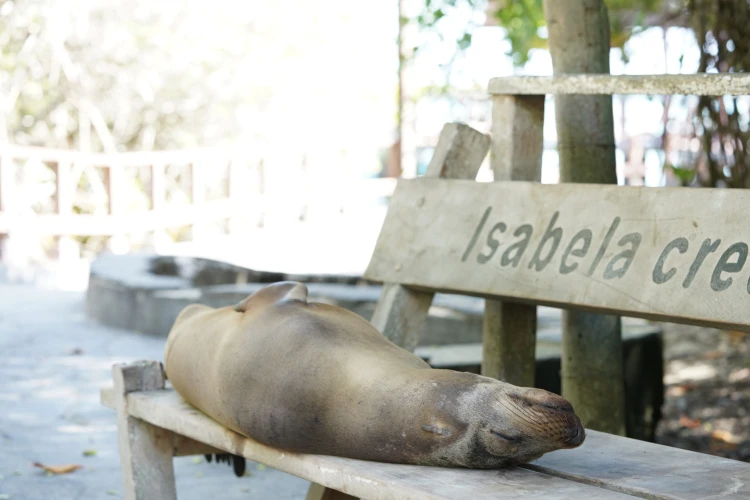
89 453
58 469
688 422
678 390
726 436
260 467
736 337
114 493
713 355
738 375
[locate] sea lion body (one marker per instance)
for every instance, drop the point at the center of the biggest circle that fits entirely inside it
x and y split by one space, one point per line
315 378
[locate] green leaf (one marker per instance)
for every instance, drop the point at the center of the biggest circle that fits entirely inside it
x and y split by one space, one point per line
89 453
465 41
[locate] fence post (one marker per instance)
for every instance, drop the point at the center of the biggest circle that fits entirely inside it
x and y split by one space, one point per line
115 184
67 248
198 196
509 329
6 180
158 196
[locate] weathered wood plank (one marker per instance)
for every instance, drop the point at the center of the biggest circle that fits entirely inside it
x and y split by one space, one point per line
509 329
320 492
459 153
145 451
644 252
701 84
364 479
400 313
648 470
180 445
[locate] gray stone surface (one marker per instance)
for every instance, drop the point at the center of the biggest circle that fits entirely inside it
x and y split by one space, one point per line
50 411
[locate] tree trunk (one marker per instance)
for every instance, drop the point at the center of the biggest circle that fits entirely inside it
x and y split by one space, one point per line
592 373
406 111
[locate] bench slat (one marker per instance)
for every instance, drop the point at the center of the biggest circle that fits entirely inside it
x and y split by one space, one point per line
605 466
371 480
643 244
650 470
701 84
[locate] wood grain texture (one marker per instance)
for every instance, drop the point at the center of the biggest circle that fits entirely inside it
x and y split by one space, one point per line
701 84
359 478
400 313
509 328
320 492
509 342
145 450
658 253
605 466
517 138
648 470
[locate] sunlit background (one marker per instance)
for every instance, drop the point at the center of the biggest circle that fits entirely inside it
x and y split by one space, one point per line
266 134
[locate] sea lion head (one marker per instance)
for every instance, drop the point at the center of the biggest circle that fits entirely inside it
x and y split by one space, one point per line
501 424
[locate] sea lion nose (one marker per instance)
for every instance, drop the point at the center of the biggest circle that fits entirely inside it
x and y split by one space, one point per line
576 436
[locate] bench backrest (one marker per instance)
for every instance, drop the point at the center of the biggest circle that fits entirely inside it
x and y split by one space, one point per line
673 254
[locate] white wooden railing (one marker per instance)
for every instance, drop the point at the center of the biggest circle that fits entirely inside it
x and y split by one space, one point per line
66 195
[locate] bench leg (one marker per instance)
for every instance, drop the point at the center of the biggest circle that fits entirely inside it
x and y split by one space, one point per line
145 450
320 492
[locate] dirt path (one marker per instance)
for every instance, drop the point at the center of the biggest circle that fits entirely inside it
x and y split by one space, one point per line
707 403
53 361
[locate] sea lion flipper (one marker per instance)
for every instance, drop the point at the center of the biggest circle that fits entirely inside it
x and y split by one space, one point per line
278 292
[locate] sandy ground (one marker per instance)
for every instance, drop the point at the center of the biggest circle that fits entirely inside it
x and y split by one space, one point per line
53 361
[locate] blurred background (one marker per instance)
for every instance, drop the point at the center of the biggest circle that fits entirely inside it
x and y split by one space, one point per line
245 131
156 153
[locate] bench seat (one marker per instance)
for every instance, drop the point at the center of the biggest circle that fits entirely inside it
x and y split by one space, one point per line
604 467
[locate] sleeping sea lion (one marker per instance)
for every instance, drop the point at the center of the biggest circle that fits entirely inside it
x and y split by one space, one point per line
315 378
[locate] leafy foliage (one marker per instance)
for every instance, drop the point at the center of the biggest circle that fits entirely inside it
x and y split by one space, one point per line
722 31
525 26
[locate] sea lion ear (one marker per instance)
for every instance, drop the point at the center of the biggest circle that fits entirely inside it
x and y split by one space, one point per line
275 293
294 291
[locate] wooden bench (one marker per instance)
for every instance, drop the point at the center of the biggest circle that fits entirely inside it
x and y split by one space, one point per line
673 254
